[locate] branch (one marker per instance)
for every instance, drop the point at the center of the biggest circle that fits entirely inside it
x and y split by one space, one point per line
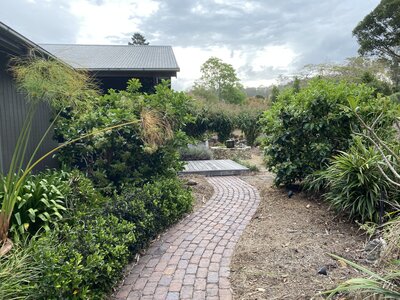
387 162
387 177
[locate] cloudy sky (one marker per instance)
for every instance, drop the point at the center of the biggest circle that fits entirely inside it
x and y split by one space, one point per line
261 39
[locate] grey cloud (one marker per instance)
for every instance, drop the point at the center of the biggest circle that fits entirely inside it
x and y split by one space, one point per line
40 21
318 31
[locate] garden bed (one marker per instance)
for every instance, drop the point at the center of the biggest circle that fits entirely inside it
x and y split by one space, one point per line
286 244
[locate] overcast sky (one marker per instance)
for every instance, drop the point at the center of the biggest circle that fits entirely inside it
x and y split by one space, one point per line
261 39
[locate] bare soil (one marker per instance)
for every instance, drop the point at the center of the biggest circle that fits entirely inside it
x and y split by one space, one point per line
287 243
202 191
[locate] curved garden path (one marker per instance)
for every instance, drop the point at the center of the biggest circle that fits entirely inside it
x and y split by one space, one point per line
191 260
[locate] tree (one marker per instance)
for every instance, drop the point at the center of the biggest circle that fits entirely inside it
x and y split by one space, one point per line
372 72
138 39
296 84
221 79
274 93
379 35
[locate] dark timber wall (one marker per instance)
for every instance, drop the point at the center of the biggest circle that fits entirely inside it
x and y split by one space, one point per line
13 107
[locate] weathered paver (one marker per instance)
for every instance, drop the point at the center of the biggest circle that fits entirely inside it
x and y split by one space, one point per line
191 260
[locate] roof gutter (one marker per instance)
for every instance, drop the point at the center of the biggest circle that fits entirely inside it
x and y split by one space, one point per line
19 38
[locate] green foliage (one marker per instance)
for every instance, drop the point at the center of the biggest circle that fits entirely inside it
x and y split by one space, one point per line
41 203
84 259
130 154
386 286
41 80
221 80
138 39
195 153
248 122
378 34
166 198
372 72
305 129
354 184
296 85
251 167
222 118
274 93
18 273
221 123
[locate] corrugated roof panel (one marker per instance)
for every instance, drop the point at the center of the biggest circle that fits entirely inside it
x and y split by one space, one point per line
121 57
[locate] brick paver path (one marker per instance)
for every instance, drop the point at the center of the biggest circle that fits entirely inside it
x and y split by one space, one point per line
191 260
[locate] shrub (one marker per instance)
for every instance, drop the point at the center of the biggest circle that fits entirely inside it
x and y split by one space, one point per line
305 129
85 259
222 124
195 153
247 121
86 256
165 198
354 184
132 154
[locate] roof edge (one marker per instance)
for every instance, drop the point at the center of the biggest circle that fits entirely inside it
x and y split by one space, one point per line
24 40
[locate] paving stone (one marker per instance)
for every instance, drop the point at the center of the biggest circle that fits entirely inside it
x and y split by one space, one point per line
191 260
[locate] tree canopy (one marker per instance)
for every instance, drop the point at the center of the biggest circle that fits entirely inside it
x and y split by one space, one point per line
379 34
221 79
138 39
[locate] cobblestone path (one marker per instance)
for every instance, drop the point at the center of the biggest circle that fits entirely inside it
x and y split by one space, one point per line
191 260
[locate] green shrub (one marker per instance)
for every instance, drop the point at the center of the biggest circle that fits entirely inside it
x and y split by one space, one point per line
18 274
353 182
195 153
222 124
305 129
247 121
85 259
166 198
132 154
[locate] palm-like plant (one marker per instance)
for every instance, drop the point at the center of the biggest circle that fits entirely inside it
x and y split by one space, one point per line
42 81
386 286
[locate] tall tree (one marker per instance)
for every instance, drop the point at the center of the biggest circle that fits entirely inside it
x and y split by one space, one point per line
379 35
221 78
138 39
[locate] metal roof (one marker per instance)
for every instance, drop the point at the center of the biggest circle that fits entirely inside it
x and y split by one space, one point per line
15 43
115 57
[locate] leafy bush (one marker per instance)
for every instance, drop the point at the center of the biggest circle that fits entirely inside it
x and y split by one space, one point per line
222 118
40 204
165 198
18 274
195 153
131 154
304 130
220 123
247 121
83 260
353 182
85 257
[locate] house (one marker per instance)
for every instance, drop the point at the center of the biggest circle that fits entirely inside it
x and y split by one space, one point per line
111 66
13 103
